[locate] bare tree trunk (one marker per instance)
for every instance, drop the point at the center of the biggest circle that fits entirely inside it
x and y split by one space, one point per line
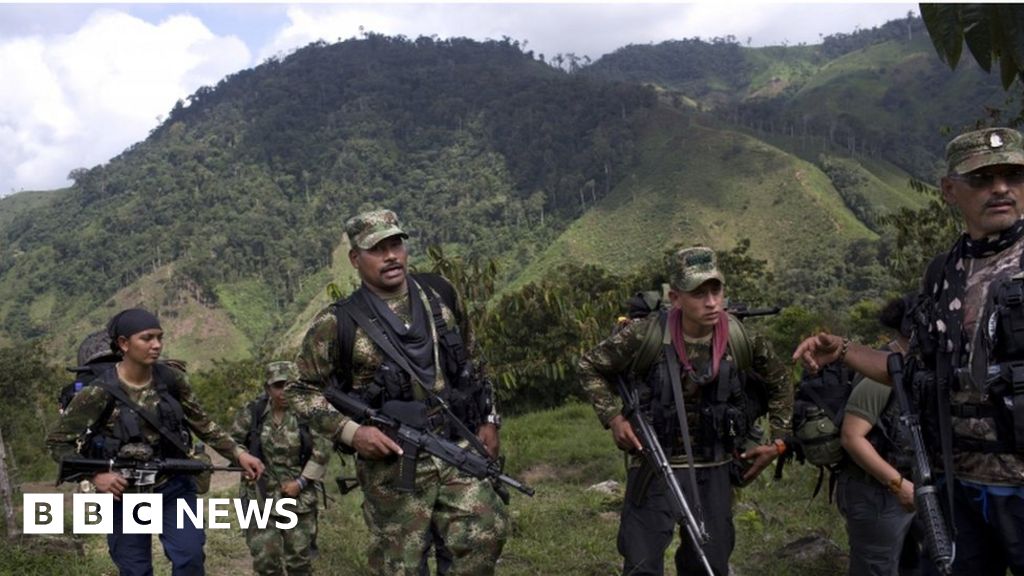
6 491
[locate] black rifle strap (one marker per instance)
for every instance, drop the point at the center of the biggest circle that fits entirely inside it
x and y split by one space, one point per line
114 389
677 393
388 348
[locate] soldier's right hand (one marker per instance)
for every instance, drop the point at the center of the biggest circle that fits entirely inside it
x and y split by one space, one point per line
817 351
373 444
110 483
622 433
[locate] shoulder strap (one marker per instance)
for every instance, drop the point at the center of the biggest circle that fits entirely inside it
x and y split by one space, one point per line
256 409
740 345
443 288
114 389
305 443
346 335
650 348
677 395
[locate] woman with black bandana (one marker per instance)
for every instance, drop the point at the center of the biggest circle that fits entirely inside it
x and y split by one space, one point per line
142 409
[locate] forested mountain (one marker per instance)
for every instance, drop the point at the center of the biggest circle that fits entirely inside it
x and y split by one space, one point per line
243 191
228 218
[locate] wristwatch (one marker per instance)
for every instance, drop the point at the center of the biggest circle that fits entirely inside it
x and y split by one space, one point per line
494 418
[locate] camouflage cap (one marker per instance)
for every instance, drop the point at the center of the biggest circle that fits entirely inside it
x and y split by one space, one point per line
366 229
691 267
972 150
281 372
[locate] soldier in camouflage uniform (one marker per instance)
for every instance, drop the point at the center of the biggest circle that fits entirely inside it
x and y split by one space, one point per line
296 462
705 345
98 426
411 310
956 342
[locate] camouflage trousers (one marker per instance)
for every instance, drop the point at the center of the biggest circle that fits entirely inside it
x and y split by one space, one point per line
276 552
467 512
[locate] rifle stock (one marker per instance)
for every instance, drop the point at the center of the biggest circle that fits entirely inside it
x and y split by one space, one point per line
656 458
138 473
742 311
405 422
940 548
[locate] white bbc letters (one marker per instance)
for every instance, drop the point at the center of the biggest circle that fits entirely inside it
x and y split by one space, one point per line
142 513
92 513
42 514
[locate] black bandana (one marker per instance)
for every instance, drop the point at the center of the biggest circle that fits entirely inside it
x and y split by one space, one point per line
128 322
415 340
950 289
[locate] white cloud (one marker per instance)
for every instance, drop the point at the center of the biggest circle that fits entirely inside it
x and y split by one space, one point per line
78 99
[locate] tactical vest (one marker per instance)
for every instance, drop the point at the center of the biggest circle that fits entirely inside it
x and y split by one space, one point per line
1001 325
464 392
721 414
127 428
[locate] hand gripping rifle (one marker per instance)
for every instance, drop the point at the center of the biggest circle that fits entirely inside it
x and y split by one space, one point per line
407 424
926 498
138 472
656 458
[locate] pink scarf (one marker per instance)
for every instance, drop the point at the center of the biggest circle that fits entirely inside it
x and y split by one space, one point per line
719 340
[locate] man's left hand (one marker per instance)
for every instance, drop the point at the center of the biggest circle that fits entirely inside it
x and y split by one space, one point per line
762 456
488 434
252 465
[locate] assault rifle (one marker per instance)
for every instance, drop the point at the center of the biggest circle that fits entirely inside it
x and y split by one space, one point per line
138 473
655 457
926 498
407 424
742 311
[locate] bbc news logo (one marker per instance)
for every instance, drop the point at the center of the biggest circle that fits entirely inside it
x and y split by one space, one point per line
144 513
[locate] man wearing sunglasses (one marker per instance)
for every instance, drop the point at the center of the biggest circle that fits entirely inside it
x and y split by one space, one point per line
969 346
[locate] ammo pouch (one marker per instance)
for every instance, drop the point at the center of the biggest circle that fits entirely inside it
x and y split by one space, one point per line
1005 386
390 382
1008 339
1005 379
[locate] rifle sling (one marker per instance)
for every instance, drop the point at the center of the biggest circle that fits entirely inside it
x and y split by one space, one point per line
677 393
388 348
114 389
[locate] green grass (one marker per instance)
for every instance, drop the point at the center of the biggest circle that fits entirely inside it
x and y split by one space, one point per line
563 530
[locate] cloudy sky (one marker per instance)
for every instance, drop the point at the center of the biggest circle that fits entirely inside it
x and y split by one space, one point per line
82 82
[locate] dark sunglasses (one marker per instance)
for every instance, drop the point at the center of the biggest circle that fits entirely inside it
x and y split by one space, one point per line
980 180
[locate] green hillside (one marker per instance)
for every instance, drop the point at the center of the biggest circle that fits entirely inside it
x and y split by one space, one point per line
229 216
700 184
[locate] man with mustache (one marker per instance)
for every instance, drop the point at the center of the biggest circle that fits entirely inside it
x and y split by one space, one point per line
406 337
966 333
695 385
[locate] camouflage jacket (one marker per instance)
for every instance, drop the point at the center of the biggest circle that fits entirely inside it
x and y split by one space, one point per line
280 444
1005 469
602 364
318 359
88 405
